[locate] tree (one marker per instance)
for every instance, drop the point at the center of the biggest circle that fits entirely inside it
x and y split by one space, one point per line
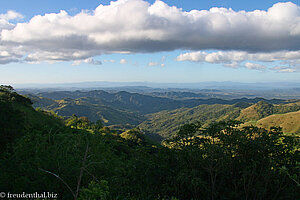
97 126
6 88
236 162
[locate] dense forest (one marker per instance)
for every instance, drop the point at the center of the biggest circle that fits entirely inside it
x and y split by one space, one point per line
82 159
160 114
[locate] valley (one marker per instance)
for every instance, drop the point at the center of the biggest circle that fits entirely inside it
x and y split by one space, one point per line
163 113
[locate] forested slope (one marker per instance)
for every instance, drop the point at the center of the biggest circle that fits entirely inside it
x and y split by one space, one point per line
124 108
85 160
167 123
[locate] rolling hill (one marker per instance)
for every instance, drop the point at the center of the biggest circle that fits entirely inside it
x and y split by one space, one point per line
90 107
262 114
290 122
159 115
167 123
39 153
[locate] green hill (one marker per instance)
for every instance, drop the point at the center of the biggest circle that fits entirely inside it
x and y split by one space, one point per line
94 162
17 117
109 115
90 107
124 108
263 109
167 123
158 115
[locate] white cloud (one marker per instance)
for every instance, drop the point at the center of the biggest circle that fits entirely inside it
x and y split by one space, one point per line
255 66
7 17
88 61
10 15
130 26
152 64
232 64
235 59
160 63
111 61
286 69
9 52
237 56
123 61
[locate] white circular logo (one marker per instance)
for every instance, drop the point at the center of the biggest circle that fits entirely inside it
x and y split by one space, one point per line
2 194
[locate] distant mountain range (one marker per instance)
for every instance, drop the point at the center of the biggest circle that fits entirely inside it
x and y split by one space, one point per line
162 113
147 85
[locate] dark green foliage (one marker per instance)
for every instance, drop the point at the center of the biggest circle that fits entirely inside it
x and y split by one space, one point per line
238 163
92 108
6 88
167 123
265 109
124 107
218 161
281 109
11 124
242 105
134 135
11 116
78 122
95 191
7 94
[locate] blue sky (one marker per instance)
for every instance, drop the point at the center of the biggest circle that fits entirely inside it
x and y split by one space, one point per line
173 46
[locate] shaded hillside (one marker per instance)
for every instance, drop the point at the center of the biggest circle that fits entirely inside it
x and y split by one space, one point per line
93 108
18 117
124 107
89 161
145 104
107 114
167 123
263 109
163 115
120 100
43 102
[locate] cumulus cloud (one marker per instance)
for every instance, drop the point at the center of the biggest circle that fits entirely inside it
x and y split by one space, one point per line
9 53
123 61
238 56
286 69
88 61
235 59
10 15
131 26
7 17
255 66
